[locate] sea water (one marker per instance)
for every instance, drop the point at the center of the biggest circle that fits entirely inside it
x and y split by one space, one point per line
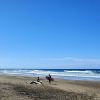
69 74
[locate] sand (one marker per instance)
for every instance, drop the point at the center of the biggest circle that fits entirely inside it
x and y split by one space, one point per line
19 88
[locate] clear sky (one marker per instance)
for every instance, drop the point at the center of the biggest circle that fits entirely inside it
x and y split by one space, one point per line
50 33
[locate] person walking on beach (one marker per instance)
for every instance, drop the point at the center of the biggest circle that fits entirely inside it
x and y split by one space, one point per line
49 78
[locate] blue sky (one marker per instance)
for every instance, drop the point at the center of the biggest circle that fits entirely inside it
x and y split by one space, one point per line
49 33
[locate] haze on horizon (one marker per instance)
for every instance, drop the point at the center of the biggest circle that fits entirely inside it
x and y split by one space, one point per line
49 34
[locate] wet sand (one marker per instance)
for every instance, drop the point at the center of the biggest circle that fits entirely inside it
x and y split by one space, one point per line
19 88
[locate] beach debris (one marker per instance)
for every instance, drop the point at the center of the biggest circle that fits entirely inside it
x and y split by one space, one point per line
35 82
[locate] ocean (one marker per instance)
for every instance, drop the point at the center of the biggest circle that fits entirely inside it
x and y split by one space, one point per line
68 74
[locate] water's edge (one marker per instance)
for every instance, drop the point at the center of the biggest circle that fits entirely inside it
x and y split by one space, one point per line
70 74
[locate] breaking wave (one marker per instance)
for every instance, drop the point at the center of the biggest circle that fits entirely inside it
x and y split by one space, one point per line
57 73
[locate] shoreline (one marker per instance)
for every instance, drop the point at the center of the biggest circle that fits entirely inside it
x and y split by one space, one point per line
60 87
67 74
58 78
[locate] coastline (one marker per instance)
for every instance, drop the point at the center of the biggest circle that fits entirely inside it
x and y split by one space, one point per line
19 88
68 74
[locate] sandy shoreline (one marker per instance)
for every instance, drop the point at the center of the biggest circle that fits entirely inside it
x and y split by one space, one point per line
19 88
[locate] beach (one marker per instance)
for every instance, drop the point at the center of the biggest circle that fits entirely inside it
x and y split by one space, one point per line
19 88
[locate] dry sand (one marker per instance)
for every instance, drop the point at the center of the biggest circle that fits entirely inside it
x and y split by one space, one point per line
19 88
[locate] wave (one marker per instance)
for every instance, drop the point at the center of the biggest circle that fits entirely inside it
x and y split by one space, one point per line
81 72
86 74
67 73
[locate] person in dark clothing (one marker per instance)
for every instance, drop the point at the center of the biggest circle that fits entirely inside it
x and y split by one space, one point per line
49 78
38 79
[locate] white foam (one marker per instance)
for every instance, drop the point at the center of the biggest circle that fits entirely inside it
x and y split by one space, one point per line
66 73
